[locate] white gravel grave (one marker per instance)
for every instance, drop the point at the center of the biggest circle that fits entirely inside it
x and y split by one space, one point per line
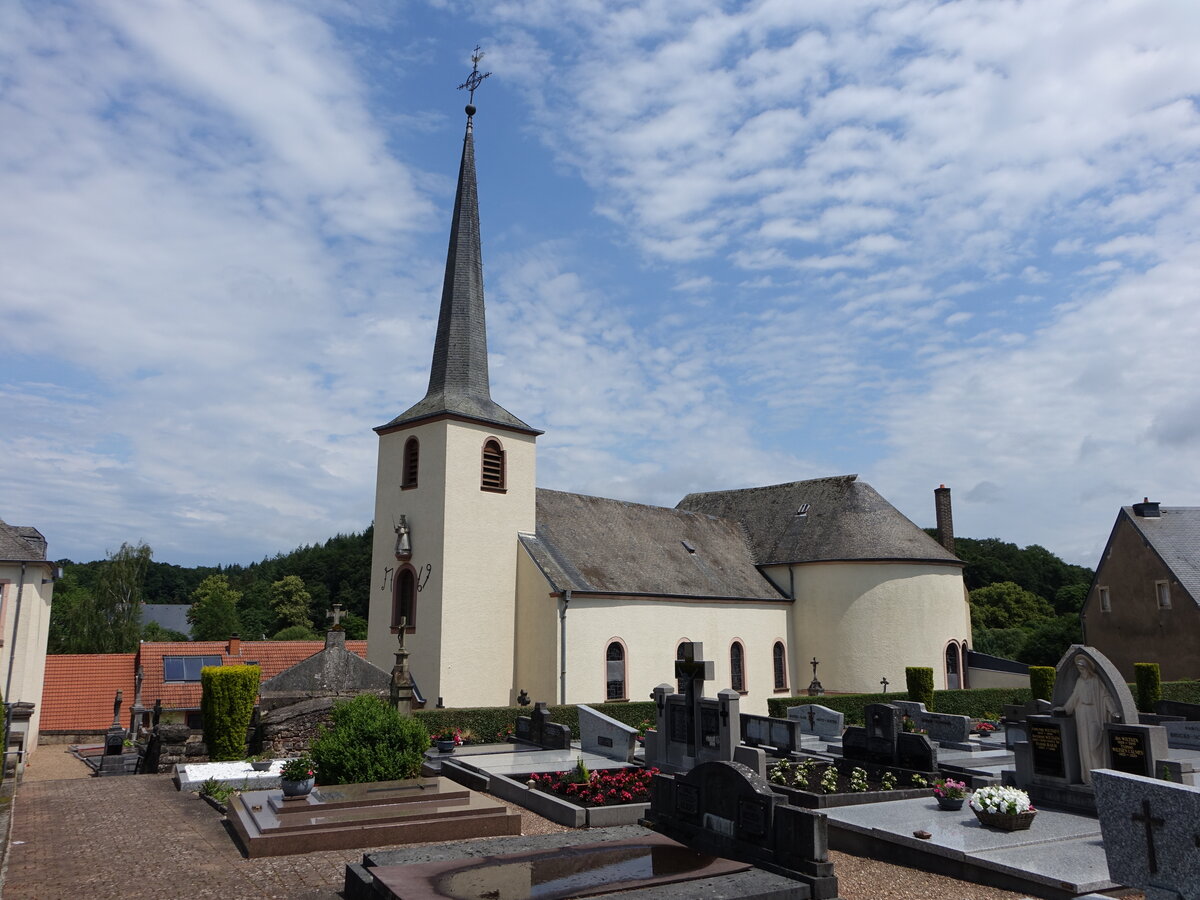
238 775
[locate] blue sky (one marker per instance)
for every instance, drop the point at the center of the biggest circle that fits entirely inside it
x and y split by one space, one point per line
725 244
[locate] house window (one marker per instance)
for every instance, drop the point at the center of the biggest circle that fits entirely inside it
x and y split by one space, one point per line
779 658
1105 600
412 459
404 602
194 721
186 668
1162 591
493 466
614 663
737 667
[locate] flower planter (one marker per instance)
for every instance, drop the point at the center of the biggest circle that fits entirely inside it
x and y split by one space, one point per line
813 800
1006 821
445 746
261 765
297 788
951 803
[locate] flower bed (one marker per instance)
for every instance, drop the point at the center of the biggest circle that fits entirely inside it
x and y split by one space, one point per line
597 788
817 785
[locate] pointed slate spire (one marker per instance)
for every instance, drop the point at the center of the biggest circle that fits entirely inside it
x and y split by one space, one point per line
458 378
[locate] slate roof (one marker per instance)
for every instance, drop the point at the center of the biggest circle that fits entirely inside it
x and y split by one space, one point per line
1175 536
843 519
596 545
458 377
21 543
168 615
78 690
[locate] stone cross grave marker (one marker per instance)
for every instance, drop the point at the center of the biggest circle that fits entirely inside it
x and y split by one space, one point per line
693 670
336 615
1151 833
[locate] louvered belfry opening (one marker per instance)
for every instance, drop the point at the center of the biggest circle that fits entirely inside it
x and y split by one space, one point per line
493 466
412 459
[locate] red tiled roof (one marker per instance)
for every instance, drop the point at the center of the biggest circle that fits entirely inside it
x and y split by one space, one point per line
272 658
78 691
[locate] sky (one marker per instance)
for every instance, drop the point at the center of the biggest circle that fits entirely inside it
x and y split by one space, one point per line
726 244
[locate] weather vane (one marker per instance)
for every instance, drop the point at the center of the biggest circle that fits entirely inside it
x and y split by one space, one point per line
474 80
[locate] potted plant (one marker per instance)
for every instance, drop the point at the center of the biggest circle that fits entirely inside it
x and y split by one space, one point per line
950 793
297 776
1003 807
259 763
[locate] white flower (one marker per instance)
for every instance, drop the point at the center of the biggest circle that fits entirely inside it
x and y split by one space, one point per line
997 799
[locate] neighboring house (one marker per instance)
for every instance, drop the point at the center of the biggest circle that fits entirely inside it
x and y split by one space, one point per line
169 672
506 587
26 590
169 615
1144 603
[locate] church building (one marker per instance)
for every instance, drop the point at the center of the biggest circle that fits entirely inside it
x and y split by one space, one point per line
505 587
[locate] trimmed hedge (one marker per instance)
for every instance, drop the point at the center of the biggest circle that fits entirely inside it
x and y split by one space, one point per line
1148 686
227 695
369 741
1041 682
978 703
919 681
1181 691
492 723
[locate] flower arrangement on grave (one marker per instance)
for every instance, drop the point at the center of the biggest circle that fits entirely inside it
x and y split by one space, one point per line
299 769
918 780
888 781
598 788
829 781
505 733
458 735
984 727
858 779
949 789
1001 800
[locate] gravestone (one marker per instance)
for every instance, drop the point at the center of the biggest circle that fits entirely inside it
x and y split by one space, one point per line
882 742
1183 735
1188 711
1150 832
113 761
605 736
1055 762
884 723
726 809
537 729
1015 719
691 728
782 735
916 752
941 727
820 720
1135 749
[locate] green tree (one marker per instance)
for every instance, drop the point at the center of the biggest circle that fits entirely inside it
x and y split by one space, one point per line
296 633
1046 642
1007 605
105 615
254 611
356 627
1003 642
213 615
152 631
291 602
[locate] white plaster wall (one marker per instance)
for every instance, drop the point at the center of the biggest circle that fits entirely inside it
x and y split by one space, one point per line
479 609
423 505
867 621
537 634
29 643
462 650
651 630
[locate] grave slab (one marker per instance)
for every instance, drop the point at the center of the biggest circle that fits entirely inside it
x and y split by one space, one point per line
339 817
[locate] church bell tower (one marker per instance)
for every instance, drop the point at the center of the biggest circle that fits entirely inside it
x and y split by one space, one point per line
454 487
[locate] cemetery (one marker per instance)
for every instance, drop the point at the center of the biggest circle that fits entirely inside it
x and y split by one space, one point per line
1079 794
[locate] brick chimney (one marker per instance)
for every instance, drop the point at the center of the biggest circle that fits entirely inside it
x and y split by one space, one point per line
235 645
945 517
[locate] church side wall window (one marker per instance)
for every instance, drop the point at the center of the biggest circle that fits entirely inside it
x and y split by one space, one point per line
679 682
412 460
404 599
493 466
614 671
779 660
737 667
952 667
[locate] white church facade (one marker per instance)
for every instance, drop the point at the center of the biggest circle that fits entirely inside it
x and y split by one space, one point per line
504 587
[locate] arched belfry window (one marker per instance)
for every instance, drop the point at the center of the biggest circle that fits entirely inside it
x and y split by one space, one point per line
614 671
737 667
493 466
779 660
412 461
953 682
404 598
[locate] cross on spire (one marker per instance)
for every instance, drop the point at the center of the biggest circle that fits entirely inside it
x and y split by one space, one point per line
474 80
336 614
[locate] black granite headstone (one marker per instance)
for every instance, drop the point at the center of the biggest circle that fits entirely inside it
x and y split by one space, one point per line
1128 751
1046 745
854 743
916 752
883 724
677 723
1189 711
